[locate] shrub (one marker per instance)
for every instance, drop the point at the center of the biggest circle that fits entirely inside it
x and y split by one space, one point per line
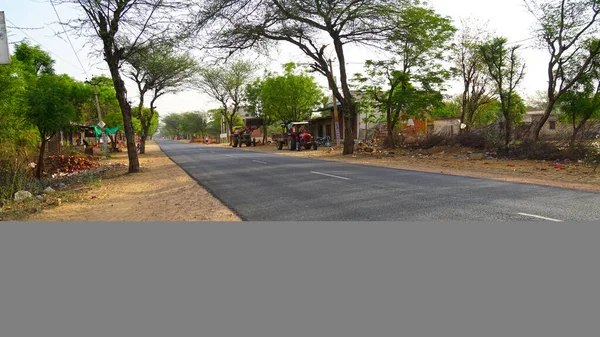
471 140
431 141
537 151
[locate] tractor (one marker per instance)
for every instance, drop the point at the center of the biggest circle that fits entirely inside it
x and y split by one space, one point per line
242 135
295 136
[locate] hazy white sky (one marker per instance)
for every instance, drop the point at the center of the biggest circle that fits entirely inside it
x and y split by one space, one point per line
508 18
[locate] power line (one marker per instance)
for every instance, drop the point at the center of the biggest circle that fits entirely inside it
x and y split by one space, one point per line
34 40
68 38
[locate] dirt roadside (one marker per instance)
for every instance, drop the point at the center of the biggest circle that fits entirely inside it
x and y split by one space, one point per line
162 191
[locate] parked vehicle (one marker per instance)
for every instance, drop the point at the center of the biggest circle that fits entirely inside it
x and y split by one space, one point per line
323 141
242 135
296 135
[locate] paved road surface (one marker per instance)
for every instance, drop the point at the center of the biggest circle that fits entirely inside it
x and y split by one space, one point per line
264 186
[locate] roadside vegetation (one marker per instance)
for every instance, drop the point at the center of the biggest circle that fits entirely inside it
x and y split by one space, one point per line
421 54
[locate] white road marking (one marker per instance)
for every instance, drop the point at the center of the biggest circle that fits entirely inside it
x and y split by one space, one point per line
260 162
212 151
330 175
540 217
228 155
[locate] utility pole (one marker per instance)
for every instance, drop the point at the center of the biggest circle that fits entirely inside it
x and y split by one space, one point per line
100 122
335 109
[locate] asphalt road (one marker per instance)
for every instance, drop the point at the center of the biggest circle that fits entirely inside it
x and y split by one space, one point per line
269 187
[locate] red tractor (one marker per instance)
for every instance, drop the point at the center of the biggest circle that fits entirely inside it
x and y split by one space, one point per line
296 135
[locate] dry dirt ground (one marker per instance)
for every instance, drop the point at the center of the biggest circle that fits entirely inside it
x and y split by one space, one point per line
162 191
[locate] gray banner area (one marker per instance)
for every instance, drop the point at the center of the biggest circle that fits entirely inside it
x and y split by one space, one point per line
299 279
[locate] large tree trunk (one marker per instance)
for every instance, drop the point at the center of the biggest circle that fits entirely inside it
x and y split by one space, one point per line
143 122
40 167
389 140
538 127
507 127
121 93
146 128
349 113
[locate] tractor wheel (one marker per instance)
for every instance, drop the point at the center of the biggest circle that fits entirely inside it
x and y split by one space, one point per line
291 143
314 146
248 142
279 145
254 142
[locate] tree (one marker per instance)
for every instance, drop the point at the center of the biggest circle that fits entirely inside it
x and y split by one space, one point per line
158 69
51 109
13 101
537 100
34 60
470 69
193 123
567 28
172 125
107 100
254 96
581 103
292 96
506 69
227 85
312 26
122 26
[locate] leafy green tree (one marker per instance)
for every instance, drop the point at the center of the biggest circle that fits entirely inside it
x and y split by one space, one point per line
172 125
581 103
114 24
158 69
470 69
13 101
34 60
51 109
568 30
227 85
288 97
317 28
194 123
107 100
506 69
291 96
410 84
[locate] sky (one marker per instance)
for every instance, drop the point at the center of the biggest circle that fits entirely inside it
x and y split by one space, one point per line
38 23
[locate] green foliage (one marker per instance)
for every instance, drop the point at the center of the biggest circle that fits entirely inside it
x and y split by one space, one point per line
107 100
13 90
506 69
291 96
446 110
172 125
35 61
410 84
581 103
227 85
194 123
52 104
